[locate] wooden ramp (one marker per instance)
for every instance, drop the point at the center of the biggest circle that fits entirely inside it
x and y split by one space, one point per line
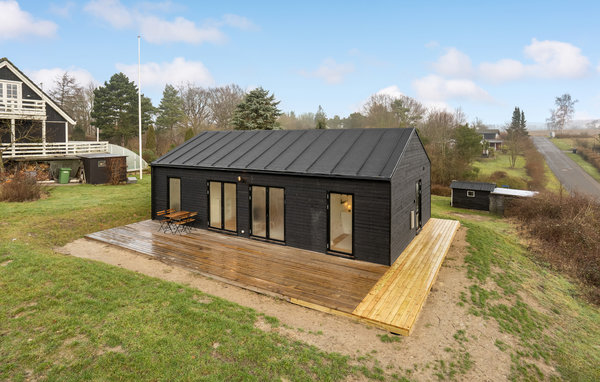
397 298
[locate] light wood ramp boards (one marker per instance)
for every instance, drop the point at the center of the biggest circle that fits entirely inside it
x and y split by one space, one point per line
397 298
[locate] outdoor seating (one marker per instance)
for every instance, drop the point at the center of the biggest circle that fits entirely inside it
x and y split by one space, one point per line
164 220
185 225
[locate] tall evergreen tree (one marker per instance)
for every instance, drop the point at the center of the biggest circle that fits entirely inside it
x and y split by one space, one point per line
150 139
320 119
523 124
258 111
115 109
516 135
170 111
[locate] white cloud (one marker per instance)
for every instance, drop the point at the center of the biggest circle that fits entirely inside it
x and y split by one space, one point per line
434 88
454 64
392 91
159 31
552 59
156 75
503 70
62 10
330 71
16 23
111 11
47 77
239 22
432 44
555 59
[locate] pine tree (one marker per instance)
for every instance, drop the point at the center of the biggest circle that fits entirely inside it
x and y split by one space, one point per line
258 111
516 134
523 124
170 110
151 139
189 134
320 119
115 109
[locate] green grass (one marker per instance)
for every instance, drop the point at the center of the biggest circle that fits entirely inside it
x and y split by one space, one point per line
566 144
64 318
562 331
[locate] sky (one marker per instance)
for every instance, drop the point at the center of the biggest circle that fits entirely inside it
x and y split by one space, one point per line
484 57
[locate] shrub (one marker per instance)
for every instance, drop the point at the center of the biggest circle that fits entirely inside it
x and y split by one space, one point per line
149 155
568 228
534 164
589 156
501 178
438 189
20 188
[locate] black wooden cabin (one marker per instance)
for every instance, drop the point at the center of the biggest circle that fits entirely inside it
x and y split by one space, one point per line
471 195
359 193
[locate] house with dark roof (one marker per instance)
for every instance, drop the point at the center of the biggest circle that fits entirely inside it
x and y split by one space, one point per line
471 195
32 125
493 140
358 193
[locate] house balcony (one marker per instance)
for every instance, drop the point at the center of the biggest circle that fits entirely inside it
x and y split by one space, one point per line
51 150
22 109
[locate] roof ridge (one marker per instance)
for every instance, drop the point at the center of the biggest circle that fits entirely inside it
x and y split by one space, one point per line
392 152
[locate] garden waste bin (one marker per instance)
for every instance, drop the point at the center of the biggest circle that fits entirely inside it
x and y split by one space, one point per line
63 175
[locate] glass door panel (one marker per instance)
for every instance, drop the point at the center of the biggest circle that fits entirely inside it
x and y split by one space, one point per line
214 192
340 223
259 211
230 207
175 193
276 214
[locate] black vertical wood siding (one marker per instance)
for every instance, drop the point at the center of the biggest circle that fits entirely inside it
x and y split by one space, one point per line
413 165
481 201
305 206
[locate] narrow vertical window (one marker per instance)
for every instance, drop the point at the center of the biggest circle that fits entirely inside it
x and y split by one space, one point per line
230 207
222 206
268 212
215 205
340 222
175 193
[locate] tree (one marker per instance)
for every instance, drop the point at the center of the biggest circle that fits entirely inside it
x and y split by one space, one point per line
378 113
408 112
320 119
335 122
170 110
562 114
76 101
516 136
115 109
150 139
467 144
189 134
355 121
257 111
196 106
25 131
223 103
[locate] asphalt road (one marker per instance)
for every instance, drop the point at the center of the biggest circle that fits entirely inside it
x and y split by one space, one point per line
569 173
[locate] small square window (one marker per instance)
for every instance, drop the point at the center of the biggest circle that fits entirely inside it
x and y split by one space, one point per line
471 194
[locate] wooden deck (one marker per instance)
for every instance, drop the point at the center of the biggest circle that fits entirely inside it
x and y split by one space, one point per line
387 297
396 300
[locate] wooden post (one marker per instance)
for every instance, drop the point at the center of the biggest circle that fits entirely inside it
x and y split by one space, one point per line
43 136
13 136
66 137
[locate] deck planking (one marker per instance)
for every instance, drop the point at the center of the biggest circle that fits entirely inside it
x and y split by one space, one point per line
396 300
387 297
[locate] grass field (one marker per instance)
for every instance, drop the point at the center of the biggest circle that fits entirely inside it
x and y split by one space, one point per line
566 144
64 318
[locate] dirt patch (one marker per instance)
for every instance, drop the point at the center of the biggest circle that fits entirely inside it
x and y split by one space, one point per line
5 263
445 333
477 218
107 349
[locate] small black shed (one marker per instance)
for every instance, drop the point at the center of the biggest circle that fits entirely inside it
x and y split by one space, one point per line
98 167
358 193
472 195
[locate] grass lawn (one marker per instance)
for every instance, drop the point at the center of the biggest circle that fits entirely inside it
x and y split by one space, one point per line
557 328
566 144
65 318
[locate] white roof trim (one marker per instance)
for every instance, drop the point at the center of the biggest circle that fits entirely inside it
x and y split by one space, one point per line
514 192
39 92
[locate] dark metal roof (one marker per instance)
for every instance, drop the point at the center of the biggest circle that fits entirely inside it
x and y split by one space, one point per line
475 186
356 153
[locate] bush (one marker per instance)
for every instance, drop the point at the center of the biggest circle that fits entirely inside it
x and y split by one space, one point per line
20 188
589 156
438 189
501 178
568 228
149 155
534 164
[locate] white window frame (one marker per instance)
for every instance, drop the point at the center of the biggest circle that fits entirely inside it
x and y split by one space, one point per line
470 194
4 100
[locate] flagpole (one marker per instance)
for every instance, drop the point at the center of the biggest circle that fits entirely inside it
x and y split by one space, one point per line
140 105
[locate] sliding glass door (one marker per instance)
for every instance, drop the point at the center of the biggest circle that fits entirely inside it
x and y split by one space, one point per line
340 222
222 206
268 212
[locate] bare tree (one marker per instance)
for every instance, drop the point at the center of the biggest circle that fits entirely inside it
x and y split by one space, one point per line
562 114
75 100
223 102
196 106
25 131
378 111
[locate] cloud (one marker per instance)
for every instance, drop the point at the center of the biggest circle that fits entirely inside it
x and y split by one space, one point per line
432 44
157 75
47 77
62 10
555 59
16 23
160 31
434 88
454 64
392 91
552 59
330 71
111 11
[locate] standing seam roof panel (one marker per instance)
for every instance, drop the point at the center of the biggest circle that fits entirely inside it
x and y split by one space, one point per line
263 160
230 156
335 152
182 150
312 152
287 158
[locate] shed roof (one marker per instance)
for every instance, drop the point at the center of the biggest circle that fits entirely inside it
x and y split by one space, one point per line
475 186
357 153
514 192
101 155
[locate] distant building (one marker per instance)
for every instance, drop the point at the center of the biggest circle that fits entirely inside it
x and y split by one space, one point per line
492 137
484 196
